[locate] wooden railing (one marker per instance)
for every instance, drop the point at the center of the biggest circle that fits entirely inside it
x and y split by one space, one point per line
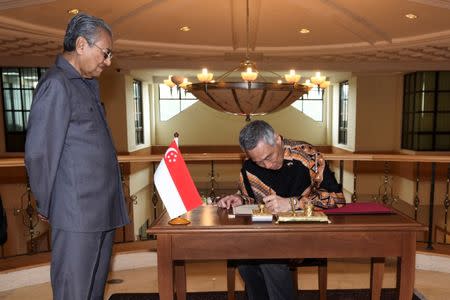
426 165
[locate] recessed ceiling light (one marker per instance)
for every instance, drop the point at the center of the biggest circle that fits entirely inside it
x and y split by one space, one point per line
185 28
304 30
73 11
411 16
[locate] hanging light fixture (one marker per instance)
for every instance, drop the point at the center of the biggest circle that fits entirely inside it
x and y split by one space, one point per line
249 97
320 81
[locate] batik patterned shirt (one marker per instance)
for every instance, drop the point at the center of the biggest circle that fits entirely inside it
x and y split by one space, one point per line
304 173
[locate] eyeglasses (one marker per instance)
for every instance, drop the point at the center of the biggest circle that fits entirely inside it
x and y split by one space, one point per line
107 53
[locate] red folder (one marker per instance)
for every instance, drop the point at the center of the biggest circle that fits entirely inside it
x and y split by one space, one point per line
360 208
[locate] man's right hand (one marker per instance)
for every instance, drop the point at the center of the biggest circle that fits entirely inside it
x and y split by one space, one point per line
42 218
230 201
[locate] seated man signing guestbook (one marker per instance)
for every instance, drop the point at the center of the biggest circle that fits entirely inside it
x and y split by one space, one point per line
284 175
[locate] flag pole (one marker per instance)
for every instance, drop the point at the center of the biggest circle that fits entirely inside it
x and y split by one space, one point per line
178 220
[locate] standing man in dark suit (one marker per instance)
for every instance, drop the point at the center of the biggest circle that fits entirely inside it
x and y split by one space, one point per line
72 164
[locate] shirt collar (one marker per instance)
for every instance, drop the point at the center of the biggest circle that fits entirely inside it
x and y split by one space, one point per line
67 68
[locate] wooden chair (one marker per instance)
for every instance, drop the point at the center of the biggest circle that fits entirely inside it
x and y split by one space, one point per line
321 263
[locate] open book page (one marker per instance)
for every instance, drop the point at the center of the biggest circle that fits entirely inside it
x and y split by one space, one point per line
246 209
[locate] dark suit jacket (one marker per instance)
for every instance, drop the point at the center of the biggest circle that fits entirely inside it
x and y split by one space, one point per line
70 156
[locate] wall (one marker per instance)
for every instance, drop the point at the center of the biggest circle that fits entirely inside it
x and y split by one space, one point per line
201 125
379 112
113 92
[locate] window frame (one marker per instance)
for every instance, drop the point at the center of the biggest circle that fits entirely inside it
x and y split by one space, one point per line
421 113
300 104
343 113
15 136
177 94
138 112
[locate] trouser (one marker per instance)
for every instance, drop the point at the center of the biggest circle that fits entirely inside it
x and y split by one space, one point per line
80 264
267 280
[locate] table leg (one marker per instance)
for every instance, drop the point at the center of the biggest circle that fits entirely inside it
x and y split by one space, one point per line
407 268
165 267
376 277
180 280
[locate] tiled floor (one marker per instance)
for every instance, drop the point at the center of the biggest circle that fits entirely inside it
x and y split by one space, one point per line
210 276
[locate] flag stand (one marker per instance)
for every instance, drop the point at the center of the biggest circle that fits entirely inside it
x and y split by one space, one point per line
179 221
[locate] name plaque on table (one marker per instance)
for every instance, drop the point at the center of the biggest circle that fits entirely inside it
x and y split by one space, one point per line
301 216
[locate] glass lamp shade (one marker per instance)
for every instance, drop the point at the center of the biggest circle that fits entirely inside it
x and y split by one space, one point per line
204 76
243 98
292 77
324 84
169 82
249 75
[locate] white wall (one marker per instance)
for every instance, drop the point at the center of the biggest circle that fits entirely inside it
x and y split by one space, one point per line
201 125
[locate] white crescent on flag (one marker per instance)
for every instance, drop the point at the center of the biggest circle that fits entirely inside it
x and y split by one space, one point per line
171 155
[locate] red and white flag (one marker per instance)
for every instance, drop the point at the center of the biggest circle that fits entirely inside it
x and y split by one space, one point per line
174 183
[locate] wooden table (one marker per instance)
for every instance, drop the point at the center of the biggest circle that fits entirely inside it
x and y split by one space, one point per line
213 236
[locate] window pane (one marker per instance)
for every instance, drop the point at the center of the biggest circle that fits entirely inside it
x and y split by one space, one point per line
29 78
315 93
425 101
411 102
444 81
409 140
423 122
186 103
298 105
410 122
167 93
17 101
310 104
425 81
443 122
27 114
313 109
168 109
425 142
19 121
10 77
411 83
7 98
443 101
442 142
27 96
9 121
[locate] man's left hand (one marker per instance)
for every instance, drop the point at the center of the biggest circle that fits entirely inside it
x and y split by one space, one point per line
275 203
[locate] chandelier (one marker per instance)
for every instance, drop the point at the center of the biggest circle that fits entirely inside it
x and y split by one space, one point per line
249 96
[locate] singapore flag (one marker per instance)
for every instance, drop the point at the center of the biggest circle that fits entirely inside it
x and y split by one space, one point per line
174 183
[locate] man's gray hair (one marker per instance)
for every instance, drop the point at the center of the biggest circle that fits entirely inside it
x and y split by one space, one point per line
86 26
254 132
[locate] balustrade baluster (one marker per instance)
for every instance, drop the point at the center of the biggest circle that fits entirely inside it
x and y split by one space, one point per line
30 217
431 213
212 193
355 194
416 197
446 206
154 195
386 191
